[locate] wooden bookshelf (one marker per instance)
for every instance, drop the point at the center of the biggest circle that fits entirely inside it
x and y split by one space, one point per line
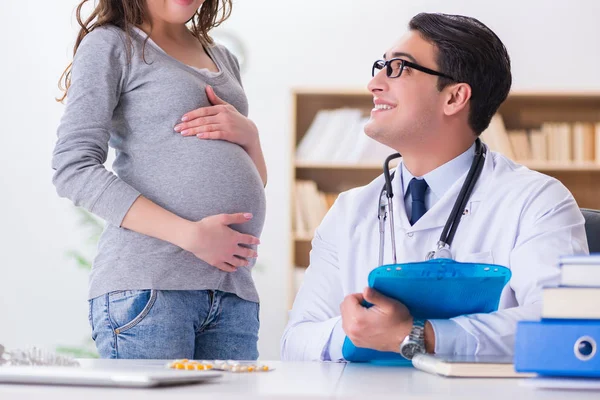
522 110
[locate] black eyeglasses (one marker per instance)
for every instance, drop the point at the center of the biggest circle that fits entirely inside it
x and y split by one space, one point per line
395 66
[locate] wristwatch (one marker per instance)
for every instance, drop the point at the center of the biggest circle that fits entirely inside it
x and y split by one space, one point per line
414 343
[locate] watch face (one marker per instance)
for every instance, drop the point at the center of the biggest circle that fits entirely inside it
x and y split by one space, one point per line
409 349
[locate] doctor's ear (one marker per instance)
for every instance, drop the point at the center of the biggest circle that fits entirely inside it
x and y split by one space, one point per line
457 98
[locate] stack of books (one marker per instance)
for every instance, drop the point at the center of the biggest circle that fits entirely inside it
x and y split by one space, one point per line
565 341
559 142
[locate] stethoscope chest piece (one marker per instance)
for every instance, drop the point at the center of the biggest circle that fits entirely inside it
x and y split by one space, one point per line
442 252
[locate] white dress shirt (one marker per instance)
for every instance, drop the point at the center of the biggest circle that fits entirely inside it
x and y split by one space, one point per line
439 180
515 217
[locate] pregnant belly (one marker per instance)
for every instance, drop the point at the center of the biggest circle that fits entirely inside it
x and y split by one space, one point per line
198 178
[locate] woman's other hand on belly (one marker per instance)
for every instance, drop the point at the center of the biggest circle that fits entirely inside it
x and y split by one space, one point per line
213 241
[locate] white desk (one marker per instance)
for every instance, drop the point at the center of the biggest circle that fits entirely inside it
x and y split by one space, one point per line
304 381
383 381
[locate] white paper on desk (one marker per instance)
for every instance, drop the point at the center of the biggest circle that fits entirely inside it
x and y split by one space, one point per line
563 383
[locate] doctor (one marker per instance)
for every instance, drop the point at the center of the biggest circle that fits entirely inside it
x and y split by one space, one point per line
435 91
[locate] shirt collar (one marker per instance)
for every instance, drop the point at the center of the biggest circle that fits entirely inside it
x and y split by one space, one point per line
443 177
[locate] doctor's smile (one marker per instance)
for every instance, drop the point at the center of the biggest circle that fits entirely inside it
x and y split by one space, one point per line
382 105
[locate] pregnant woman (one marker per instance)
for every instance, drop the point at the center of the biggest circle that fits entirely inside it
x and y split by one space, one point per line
185 205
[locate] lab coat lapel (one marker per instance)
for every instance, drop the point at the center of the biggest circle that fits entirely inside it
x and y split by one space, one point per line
401 221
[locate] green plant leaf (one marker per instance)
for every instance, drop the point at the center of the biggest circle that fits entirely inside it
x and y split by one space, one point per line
77 352
91 223
82 261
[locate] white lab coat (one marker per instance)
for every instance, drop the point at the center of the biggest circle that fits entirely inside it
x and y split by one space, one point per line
515 217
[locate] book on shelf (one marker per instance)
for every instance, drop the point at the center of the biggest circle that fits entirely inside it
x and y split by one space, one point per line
597 142
539 145
584 137
299 224
559 141
496 137
310 208
519 142
337 136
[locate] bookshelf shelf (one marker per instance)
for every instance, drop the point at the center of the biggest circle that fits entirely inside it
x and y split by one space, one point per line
522 111
336 179
535 165
303 238
563 167
302 165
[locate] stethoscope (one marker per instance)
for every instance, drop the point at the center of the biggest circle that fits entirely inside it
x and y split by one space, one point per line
443 244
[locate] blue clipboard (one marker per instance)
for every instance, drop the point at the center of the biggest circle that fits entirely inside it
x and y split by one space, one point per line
435 289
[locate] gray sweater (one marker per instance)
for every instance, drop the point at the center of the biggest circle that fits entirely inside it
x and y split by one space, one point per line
132 105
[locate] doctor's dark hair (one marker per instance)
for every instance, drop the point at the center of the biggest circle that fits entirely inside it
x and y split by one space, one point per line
471 53
127 13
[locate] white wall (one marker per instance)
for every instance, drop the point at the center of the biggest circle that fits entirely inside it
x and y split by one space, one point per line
554 45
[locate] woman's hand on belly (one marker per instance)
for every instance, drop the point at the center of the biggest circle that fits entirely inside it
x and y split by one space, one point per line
222 121
213 241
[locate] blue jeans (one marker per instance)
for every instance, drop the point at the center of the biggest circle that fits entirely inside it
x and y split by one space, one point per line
170 324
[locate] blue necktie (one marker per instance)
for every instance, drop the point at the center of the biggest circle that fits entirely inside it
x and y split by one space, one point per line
417 189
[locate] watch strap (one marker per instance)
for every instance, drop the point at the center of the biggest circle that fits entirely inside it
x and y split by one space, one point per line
417 332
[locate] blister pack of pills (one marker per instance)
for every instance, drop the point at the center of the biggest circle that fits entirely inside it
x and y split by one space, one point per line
219 365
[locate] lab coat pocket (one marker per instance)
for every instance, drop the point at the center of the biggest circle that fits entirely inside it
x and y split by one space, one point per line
483 257
471 208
